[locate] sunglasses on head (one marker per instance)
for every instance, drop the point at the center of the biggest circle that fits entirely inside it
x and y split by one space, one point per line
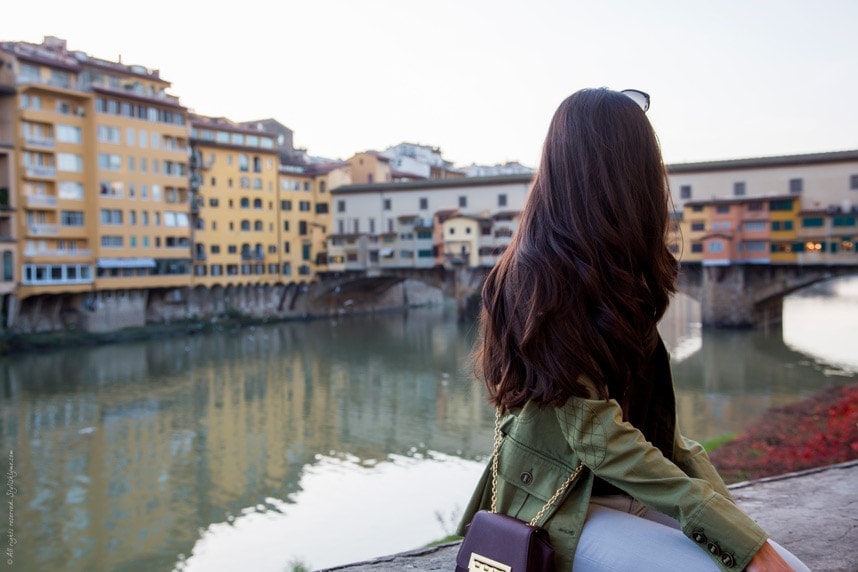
639 97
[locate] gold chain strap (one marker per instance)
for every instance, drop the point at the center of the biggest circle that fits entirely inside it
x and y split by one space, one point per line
551 501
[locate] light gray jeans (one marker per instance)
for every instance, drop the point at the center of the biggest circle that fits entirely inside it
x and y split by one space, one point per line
622 535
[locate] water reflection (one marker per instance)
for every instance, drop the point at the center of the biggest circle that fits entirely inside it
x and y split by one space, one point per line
252 444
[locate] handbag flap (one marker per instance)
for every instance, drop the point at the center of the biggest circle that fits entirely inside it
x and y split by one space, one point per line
503 543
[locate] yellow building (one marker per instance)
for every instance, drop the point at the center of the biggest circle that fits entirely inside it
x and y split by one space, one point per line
238 237
100 175
783 221
296 224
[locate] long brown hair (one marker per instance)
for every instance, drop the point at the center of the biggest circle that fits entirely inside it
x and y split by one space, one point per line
588 274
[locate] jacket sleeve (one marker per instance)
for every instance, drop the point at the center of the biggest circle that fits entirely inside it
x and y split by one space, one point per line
618 452
691 457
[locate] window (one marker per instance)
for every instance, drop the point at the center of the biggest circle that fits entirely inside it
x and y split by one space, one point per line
213 202
755 206
698 226
71 218
812 222
463 201
341 206
696 247
796 186
215 249
111 216
502 200
286 205
69 134
244 203
722 209
304 206
739 189
8 267
108 134
302 228
70 191
780 205
424 203
321 208
71 162
111 241
245 225
853 182
755 226
716 246
243 165
781 225
109 161
387 204
685 192
843 221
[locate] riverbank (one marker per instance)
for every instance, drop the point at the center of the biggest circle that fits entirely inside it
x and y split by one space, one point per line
807 512
794 471
816 431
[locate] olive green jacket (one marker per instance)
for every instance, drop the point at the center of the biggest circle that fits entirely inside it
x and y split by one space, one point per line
542 446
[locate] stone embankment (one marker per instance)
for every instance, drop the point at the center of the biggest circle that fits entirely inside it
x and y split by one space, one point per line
813 513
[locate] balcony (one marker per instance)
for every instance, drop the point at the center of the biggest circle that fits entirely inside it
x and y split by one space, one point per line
43 142
42 229
46 252
44 201
39 171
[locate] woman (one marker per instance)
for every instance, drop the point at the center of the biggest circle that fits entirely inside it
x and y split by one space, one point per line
569 347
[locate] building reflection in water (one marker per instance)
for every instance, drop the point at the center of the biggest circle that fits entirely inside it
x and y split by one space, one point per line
130 456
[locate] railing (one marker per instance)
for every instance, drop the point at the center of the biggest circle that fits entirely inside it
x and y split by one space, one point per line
35 252
42 229
40 171
39 142
41 201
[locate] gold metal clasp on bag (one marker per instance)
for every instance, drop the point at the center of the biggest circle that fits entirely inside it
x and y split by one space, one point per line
480 563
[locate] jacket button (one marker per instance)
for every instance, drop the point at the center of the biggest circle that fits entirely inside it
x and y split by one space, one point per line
698 536
526 478
714 548
728 560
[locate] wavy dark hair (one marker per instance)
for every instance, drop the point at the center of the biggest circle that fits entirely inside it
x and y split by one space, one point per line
588 274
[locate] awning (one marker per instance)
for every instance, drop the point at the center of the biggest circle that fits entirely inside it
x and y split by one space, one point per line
126 263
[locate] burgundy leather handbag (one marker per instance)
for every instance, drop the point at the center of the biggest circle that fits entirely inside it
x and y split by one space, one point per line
497 542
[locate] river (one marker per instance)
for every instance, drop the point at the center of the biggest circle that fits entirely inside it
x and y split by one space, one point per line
312 444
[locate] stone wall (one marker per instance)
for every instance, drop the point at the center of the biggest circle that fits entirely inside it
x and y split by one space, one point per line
110 311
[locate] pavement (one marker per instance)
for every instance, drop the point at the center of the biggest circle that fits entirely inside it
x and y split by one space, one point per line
812 513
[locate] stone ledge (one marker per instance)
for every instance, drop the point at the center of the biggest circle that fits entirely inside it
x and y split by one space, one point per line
813 513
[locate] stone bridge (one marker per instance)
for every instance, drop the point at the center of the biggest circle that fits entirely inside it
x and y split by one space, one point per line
750 295
730 296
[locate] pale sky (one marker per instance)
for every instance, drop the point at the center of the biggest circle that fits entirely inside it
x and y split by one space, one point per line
481 78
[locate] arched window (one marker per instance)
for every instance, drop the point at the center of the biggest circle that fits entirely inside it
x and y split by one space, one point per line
8 267
245 225
257 225
245 203
257 203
